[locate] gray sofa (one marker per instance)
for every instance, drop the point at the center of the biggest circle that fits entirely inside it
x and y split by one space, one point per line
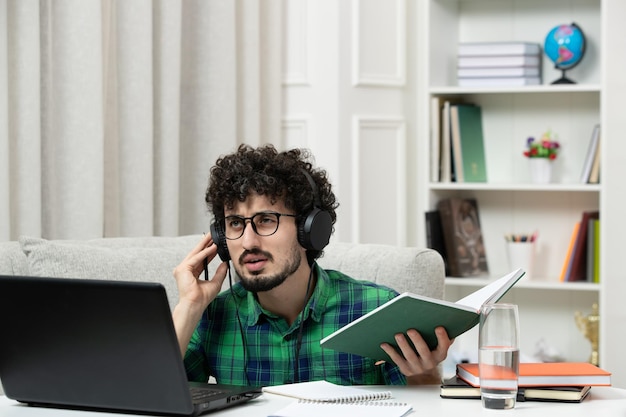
415 270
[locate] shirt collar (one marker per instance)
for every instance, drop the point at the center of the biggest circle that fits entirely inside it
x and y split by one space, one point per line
314 308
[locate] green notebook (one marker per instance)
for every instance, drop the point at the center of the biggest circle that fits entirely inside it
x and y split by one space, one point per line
411 311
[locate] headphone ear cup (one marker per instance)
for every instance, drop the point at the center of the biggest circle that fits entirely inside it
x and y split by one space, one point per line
314 232
219 238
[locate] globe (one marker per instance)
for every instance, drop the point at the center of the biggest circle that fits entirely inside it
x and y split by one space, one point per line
565 46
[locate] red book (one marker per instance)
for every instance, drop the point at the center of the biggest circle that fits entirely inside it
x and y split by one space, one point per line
545 374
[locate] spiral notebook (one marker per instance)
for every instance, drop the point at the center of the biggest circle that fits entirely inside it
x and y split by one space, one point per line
318 398
324 391
304 408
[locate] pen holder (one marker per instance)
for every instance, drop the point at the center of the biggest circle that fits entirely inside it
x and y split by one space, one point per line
521 255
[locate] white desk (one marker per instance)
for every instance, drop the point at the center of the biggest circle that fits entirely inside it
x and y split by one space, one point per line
602 401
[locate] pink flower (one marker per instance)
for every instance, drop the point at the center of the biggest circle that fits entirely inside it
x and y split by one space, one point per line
546 147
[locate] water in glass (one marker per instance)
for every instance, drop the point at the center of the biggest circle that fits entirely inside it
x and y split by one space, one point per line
498 376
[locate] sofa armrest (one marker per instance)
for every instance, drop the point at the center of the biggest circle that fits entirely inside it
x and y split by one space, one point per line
12 259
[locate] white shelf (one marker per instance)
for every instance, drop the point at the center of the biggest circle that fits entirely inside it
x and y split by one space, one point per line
526 284
455 186
547 88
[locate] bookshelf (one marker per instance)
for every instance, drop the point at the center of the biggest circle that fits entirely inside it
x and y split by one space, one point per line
509 202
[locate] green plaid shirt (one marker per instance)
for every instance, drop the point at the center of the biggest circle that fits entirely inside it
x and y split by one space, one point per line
267 356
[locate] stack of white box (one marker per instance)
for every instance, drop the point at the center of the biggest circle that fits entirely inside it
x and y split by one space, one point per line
505 64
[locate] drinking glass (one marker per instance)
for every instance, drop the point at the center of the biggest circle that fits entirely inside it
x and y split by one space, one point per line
498 355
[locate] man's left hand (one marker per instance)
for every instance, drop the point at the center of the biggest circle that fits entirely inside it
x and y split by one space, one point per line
421 367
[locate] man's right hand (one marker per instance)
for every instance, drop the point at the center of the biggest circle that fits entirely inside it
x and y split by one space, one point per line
194 293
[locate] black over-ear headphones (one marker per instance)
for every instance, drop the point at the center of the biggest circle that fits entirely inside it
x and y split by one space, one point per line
313 231
219 238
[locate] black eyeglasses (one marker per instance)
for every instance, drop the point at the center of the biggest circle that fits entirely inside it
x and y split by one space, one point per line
263 224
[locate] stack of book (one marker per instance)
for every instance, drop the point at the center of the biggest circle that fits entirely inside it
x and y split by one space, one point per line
505 64
583 252
555 381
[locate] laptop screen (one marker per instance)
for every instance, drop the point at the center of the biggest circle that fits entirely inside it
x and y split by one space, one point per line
91 344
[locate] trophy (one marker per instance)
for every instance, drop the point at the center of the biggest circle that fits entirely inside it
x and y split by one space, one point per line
589 326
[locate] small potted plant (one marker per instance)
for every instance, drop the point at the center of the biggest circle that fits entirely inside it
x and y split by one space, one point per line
540 154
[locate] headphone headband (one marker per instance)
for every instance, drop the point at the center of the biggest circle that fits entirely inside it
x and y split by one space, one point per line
317 202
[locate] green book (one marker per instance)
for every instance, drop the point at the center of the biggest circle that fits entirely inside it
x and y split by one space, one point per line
596 249
591 251
467 128
411 311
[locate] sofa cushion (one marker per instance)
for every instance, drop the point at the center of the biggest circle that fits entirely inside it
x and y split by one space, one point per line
149 259
405 269
153 259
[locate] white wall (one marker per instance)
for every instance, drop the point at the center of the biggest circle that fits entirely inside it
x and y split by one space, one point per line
347 98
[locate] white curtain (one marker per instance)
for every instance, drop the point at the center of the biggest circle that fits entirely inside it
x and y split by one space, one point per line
113 111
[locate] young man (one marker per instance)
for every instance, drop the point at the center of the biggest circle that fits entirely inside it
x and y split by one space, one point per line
273 215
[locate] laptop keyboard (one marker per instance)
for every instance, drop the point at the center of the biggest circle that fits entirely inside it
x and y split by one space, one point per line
201 394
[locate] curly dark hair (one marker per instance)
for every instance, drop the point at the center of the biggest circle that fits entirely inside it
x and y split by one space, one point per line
277 175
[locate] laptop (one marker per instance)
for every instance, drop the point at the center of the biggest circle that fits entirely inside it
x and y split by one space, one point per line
99 345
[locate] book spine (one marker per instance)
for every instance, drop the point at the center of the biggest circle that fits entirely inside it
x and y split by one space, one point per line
498 82
591 234
579 257
498 72
498 61
445 212
594 175
591 155
499 48
471 142
596 264
446 170
568 254
435 138
434 236
455 139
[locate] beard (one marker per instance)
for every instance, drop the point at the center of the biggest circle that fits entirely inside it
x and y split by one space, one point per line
256 282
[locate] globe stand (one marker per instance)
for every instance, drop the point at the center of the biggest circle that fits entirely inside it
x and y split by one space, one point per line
563 79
